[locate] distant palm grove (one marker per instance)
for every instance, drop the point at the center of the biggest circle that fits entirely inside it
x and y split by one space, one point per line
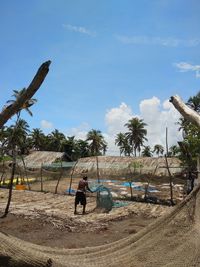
132 142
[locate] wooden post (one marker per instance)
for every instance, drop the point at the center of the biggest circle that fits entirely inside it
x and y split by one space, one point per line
41 179
70 185
60 176
167 165
97 160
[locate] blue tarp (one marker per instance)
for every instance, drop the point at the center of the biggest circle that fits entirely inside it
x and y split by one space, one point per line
140 188
119 204
107 181
72 191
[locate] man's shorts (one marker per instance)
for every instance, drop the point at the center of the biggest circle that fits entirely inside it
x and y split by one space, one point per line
80 198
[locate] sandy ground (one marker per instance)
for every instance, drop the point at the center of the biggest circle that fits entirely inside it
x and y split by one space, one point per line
48 219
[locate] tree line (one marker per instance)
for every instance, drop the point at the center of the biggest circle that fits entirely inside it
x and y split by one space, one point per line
20 138
132 142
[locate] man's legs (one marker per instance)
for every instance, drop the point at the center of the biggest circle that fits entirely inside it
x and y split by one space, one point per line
84 209
75 207
76 203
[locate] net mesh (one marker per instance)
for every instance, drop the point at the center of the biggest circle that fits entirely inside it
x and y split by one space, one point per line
173 240
104 197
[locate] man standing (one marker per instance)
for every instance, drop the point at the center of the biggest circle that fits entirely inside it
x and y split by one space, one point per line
81 194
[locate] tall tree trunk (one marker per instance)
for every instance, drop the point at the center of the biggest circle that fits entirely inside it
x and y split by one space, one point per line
12 109
135 151
11 183
3 172
25 171
185 111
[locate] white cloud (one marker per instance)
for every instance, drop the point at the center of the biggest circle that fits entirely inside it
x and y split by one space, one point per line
146 40
79 29
159 117
185 67
46 124
115 118
79 132
155 114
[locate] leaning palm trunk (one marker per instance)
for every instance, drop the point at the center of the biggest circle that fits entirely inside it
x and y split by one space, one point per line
186 112
11 110
11 183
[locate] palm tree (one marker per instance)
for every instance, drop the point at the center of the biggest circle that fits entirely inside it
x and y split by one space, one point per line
20 128
96 145
174 151
123 143
37 139
146 151
82 148
136 134
97 142
56 140
17 136
104 147
158 149
17 95
119 141
3 136
70 147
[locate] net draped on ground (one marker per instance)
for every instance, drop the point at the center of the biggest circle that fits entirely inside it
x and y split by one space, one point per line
173 240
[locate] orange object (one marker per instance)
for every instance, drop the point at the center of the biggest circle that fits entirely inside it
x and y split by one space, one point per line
20 187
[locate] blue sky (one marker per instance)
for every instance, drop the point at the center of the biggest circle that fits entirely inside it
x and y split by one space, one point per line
111 60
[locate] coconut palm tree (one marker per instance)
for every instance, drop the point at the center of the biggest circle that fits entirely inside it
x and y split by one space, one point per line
97 143
123 143
158 149
37 139
174 151
17 136
82 148
70 147
136 134
56 140
16 140
104 147
17 95
146 152
119 141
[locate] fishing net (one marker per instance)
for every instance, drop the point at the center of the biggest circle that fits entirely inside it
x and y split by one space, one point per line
104 197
